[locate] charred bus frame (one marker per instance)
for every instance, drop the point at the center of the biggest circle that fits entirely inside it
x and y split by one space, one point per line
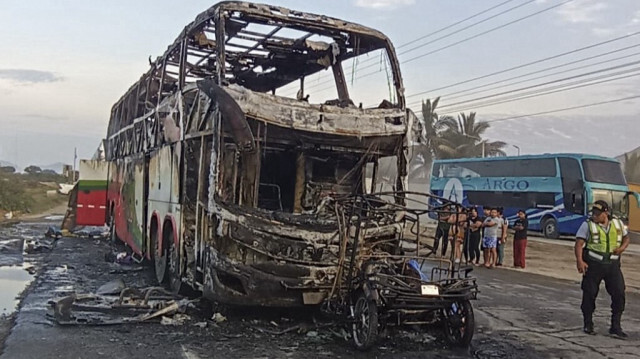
222 183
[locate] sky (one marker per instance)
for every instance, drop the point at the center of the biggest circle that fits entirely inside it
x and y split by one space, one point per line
65 62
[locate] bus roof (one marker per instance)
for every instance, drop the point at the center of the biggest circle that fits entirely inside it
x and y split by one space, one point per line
271 60
525 157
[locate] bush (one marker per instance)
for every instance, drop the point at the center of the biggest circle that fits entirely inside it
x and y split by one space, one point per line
33 169
7 169
13 196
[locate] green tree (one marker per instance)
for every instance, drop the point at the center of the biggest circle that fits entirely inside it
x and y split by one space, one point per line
447 137
33 169
423 150
632 167
463 137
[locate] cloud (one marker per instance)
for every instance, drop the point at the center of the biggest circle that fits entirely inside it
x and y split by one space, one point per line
383 4
26 76
604 32
560 133
43 117
583 11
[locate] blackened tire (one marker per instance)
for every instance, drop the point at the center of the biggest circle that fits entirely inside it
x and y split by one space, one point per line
365 324
159 257
459 323
174 280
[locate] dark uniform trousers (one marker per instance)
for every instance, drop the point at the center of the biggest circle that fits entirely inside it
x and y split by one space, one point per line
442 232
614 283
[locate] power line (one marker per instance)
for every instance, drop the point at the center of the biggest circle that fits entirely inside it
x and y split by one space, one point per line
536 78
448 96
442 37
467 39
457 23
445 36
467 27
543 84
488 31
527 64
565 109
556 89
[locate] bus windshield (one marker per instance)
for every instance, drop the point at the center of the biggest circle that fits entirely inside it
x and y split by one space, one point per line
618 200
603 172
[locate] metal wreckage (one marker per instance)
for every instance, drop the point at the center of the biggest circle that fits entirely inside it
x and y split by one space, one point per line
275 200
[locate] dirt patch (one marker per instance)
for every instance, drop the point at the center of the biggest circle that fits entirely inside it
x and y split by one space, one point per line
556 259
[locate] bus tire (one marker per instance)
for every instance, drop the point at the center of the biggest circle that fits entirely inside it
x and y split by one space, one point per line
550 228
159 261
174 279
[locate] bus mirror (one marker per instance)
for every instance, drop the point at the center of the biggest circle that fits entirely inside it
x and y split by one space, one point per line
578 200
636 195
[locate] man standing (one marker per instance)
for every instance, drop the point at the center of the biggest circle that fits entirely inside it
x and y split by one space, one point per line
520 239
492 229
599 243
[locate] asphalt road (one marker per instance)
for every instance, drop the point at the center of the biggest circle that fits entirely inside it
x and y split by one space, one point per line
518 315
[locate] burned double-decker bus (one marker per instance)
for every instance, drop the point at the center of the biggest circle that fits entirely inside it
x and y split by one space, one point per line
228 155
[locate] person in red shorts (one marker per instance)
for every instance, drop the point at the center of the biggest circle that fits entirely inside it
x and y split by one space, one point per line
520 239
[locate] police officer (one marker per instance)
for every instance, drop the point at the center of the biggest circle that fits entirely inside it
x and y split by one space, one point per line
599 243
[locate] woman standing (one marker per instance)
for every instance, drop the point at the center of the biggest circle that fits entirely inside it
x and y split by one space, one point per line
520 239
458 232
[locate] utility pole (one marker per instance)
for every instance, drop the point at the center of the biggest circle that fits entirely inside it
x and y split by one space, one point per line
75 156
518 148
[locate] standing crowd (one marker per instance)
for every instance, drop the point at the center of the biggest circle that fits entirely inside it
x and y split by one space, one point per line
471 234
600 242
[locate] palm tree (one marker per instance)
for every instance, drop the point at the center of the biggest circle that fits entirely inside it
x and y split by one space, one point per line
422 152
462 137
448 137
632 167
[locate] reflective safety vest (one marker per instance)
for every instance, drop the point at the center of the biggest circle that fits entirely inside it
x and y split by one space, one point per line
601 243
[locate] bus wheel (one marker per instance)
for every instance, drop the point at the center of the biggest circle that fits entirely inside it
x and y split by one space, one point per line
159 261
175 281
550 228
